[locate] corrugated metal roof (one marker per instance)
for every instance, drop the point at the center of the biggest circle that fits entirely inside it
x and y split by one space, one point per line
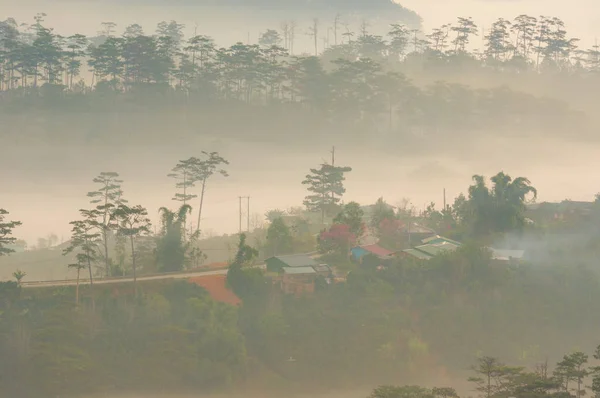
322 268
502 254
418 254
297 260
299 270
439 239
377 250
435 249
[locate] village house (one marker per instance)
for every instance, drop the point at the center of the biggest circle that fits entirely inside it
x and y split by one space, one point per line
380 252
436 245
298 280
277 263
296 273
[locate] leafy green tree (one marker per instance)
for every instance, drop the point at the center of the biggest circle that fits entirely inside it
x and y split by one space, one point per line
438 39
19 276
499 208
444 392
399 35
494 378
60 352
498 40
184 173
279 238
326 185
401 392
595 372
47 53
246 283
270 38
274 214
85 241
524 28
76 45
464 29
6 230
171 245
80 264
381 211
572 369
106 60
352 215
107 198
133 222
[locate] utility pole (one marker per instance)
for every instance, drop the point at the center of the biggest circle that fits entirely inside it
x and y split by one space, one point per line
444 198
332 165
248 215
248 212
240 213
333 156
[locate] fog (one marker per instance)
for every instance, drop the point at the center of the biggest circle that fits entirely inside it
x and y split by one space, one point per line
43 188
419 133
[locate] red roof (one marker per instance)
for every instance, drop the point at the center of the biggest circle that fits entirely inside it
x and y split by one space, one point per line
217 288
378 250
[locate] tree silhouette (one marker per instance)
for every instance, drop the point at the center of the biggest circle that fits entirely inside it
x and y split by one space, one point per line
6 230
133 223
326 185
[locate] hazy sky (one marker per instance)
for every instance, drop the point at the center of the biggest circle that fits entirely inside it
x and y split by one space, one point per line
84 16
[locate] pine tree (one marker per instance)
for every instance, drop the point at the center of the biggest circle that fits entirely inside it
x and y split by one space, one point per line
326 185
6 230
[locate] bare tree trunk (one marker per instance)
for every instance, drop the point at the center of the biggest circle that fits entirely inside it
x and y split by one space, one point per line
201 202
77 288
91 284
133 265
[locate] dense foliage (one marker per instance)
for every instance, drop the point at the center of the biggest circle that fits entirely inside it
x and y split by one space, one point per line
379 327
173 337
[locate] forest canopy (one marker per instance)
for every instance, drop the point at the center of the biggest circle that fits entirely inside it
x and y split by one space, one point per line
530 78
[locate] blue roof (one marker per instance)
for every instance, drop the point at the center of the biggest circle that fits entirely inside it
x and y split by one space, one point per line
358 252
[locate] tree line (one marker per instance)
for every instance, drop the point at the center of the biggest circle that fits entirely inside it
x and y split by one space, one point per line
493 378
361 79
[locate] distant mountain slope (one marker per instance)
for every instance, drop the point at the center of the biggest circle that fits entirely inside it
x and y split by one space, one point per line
381 7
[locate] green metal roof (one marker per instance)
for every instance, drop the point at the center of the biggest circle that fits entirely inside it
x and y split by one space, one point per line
418 254
439 239
435 249
296 260
299 270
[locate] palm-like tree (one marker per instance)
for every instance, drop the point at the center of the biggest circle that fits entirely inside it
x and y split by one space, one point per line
19 275
171 245
501 208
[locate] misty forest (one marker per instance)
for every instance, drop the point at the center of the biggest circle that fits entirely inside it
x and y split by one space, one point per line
491 293
406 86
